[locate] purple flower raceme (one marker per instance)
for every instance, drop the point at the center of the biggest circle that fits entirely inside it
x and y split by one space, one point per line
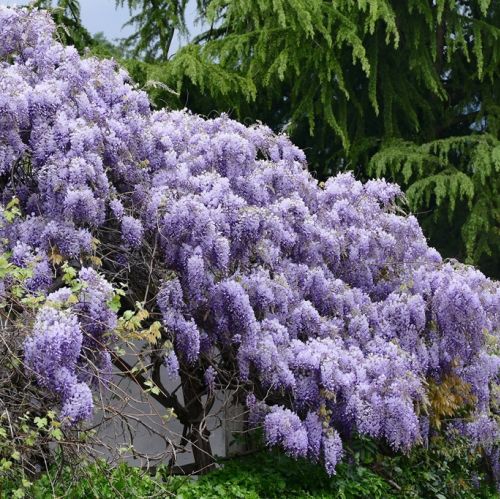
322 295
171 363
57 352
52 354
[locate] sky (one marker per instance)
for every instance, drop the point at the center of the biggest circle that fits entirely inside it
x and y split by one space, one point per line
103 16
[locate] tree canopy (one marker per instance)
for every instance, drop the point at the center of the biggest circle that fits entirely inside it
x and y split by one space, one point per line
319 305
408 90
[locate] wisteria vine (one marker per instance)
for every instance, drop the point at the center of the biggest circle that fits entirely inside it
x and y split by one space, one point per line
324 298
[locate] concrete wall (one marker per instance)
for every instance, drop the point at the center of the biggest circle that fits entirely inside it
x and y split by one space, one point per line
131 417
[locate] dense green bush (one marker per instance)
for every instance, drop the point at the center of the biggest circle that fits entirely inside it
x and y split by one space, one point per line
438 472
96 480
441 471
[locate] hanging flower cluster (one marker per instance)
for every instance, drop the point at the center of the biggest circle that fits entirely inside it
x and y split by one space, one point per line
337 314
67 346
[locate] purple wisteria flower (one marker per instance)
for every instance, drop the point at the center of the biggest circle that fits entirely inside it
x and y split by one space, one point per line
322 296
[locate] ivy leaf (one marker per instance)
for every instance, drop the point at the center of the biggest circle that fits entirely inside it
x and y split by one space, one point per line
57 434
40 422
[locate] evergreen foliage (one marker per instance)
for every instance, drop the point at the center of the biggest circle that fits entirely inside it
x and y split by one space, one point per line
156 22
345 79
364 70
459 177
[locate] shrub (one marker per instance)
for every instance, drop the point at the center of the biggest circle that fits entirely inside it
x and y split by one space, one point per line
439 471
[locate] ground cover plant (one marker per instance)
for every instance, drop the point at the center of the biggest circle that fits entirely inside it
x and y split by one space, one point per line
320 306
436 472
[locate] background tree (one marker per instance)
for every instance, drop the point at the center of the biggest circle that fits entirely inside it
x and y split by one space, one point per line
66 14
156 22
345 79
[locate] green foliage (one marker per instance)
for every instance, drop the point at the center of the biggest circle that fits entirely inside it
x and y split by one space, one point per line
458 180
441 471
348 72
24 439
102 48
156 22
274 475
93 481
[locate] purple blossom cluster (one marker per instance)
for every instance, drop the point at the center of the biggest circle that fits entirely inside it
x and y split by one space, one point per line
52 353
330 300
66 345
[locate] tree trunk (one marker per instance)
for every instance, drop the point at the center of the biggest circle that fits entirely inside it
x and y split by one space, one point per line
197 434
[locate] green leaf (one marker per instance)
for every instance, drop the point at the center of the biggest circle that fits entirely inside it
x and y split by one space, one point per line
115 303
40 422
57 434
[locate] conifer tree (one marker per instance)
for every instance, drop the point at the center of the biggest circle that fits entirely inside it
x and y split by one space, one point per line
66 14
156 22
347 79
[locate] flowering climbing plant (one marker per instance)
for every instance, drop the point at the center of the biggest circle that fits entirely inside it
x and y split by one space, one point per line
320 304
